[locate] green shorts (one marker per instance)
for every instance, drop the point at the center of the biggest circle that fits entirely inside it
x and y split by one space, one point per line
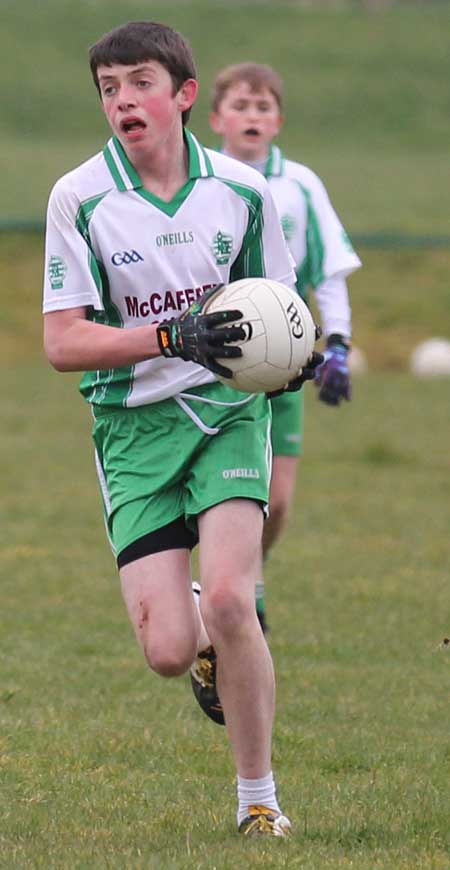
287 424
167 460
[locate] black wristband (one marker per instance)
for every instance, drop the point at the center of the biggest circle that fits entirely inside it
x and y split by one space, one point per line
164 339
336 338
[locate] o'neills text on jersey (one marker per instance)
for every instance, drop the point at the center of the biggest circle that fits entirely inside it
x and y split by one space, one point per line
182 238
162 302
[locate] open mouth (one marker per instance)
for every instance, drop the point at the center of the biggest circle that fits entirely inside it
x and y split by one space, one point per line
132 125
251 132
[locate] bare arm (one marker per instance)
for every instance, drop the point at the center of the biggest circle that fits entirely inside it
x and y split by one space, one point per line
73 343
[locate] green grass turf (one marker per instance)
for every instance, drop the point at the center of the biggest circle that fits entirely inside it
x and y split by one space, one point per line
101 764
106 766
366 96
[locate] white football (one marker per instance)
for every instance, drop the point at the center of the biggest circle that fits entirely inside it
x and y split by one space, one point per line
280 333
431 358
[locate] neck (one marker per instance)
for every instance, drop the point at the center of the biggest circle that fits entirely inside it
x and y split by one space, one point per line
163 171
259 163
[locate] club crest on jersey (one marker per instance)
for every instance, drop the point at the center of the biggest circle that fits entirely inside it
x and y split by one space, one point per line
57 271
222 247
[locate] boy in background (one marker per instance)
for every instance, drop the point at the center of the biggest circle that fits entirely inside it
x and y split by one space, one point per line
247 105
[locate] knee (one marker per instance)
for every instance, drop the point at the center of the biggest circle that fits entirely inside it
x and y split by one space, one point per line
168 661
225 610
169 648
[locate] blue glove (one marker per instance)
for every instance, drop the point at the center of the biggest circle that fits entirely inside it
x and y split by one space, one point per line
332 378
307 373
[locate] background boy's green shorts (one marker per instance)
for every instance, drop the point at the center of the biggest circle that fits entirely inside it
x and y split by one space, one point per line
287 424
155 464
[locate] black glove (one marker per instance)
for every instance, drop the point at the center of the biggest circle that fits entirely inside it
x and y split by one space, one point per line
333 377
307 373
194 337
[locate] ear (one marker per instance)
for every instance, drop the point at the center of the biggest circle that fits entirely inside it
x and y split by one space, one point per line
216 122
187 94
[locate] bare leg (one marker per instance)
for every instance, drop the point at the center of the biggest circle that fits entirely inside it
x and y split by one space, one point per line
230 563
157 592
282 488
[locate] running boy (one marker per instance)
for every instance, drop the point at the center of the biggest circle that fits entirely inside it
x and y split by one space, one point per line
135 236
247 105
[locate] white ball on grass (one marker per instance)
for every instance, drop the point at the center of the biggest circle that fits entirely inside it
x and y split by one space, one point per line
431 358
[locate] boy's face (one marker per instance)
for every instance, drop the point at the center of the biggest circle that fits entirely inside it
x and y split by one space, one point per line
247 121
140 105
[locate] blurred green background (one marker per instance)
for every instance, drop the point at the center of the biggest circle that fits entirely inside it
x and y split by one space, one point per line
367 107
358 590
367 95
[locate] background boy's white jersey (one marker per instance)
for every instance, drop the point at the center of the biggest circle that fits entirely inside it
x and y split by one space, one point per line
316 238
132 259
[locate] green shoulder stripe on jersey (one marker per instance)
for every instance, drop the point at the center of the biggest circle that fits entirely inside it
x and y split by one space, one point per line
311 271
85 213
123 172
275 160
98 387
82 221
125 176
250 261
200 165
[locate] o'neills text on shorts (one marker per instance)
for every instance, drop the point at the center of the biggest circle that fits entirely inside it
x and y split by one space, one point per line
229 473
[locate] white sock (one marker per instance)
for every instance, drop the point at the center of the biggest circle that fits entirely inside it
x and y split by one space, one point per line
203 641
256 792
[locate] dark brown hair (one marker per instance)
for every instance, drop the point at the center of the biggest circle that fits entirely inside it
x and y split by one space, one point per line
140 41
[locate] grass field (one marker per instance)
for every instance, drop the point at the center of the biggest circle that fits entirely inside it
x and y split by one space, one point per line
106 766
103 765
366 96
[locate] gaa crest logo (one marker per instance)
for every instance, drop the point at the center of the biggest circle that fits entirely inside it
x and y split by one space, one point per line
222 246
57 271
124 258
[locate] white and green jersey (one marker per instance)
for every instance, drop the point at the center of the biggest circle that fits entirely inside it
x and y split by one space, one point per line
317 240
131 259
